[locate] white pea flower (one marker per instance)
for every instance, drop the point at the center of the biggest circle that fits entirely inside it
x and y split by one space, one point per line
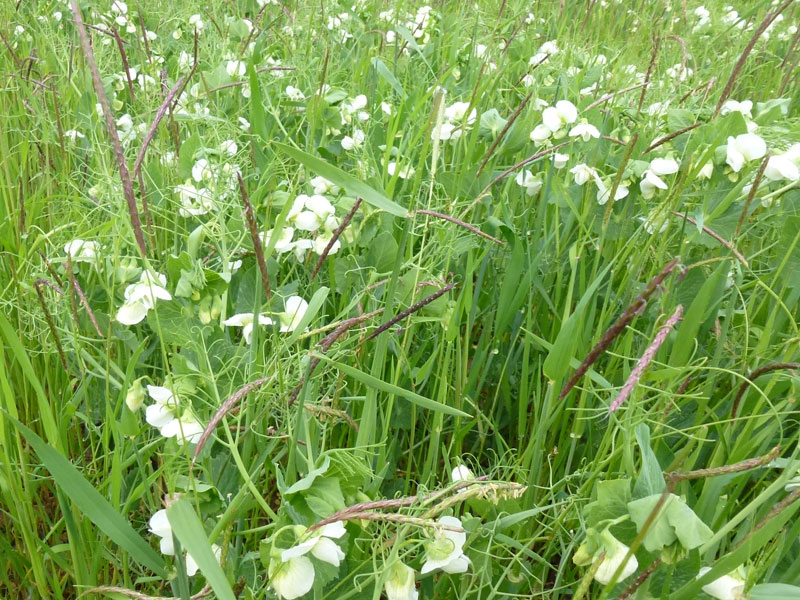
707 171
529 181
82 251
353 107
745 107
291 579
744 148
321 545
301 248
664 166
73 135
603 192
246 322
196 22
555 118
540 134
386 108
291 573
461 473
727 587
446 550
454 122
229 147
294 310
457 112
165 405
201 170
323 239
284 242
185 430
134 397
236 68
194 201
560 160
582 173
351 143
399 583
402 172
309 212
650 183
613 553
781 167
585 131
141 297
294 93
159 526
323 186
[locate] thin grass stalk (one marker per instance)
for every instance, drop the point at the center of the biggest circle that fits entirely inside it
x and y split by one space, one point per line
635 308
53 331
503 132
459 222
334 238
640 579
787 77
124 174
510 170
610 95
645 360
125 64
717 237
649 72
755 375
144 34
726 92
250 217
618 179
162 110
744 465
227 406
793 497
82 297
663 140
134 595
411 310
753 189
326 343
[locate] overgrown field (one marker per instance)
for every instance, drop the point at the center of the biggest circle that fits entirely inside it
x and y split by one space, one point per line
356 299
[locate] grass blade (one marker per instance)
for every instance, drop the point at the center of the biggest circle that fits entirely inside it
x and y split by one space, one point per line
92 504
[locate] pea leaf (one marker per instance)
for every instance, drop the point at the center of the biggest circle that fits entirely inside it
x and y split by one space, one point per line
675 521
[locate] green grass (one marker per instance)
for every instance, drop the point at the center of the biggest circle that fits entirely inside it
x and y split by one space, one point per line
472 377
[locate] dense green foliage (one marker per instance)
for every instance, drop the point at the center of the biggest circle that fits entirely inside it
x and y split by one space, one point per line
445 171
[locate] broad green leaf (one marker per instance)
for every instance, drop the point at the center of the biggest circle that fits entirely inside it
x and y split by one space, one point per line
651 478
350 184
675 521
92 504
307 481
190 533
612 501
388 388
325 496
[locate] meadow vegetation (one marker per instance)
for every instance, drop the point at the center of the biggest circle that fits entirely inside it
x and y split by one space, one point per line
358 299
